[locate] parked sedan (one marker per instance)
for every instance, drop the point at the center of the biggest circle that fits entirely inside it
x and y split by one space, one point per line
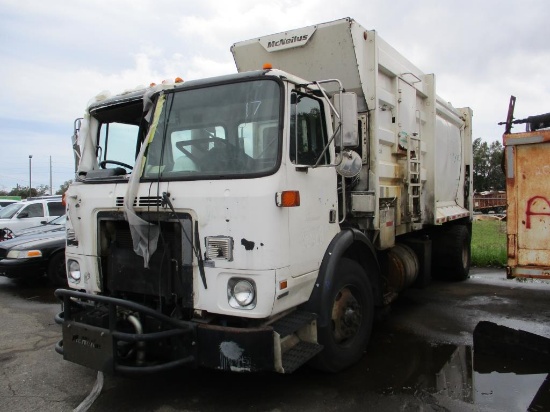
36 251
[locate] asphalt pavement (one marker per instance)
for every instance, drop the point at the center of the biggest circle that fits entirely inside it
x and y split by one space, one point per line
420 358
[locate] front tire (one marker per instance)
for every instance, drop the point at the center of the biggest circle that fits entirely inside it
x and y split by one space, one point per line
57 272
350 311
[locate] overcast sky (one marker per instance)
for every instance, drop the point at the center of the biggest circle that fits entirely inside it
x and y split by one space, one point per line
56 55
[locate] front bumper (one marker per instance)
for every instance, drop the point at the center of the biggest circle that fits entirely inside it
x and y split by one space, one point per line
96 335
23 268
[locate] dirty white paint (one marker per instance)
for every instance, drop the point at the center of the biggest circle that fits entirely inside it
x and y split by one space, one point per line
231 357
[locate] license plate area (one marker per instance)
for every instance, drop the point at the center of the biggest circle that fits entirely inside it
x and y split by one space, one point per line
88 346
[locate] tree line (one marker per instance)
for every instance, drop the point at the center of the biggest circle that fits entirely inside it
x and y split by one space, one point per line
488 166
488 172
41 190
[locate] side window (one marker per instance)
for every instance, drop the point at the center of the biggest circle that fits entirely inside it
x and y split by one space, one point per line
56 208
260 140
308 136
34 210
117 142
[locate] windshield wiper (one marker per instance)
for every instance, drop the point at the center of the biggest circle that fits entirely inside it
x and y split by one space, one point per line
198 253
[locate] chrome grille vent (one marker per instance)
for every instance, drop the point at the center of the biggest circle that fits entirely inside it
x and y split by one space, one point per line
145 201
150 201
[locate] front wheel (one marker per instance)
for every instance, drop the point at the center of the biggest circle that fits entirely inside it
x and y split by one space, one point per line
57 272
350 313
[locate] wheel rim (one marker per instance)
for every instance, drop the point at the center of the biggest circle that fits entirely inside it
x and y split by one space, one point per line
347 316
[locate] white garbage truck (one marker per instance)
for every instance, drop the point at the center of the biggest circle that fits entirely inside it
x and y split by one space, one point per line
256 221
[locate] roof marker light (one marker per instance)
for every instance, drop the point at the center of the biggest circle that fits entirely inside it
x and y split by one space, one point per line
267 66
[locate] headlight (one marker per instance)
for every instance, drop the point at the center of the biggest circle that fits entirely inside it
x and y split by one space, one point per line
241 293
74 271
23 254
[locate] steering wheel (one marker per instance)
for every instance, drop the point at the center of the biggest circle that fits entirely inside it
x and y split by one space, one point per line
200 144
221 158
104 163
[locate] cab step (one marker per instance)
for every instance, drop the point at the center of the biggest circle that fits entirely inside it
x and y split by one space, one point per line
299 354
292 329
293 322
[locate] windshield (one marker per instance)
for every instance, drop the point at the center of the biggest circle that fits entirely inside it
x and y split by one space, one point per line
9 211
219 131
58 220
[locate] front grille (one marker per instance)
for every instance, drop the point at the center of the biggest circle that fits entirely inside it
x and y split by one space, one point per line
144 201
120 201
150 201
170 272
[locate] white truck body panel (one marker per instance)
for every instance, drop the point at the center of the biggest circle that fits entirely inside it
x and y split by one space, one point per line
401 101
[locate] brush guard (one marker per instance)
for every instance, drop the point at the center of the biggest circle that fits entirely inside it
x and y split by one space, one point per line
100 346
95 341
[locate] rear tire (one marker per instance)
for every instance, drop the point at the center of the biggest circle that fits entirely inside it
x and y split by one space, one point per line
452 253
350 311
57 272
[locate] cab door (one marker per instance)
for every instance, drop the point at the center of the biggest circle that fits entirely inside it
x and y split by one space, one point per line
313 223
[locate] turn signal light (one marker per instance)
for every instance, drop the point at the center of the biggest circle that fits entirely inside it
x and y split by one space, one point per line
288 198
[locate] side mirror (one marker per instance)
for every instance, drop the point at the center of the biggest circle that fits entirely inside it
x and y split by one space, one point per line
346 106
23 215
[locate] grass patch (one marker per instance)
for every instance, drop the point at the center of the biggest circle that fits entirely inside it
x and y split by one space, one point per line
488 243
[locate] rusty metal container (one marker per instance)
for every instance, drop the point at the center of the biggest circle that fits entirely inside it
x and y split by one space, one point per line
527 164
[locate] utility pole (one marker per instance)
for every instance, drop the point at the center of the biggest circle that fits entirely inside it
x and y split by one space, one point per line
30 175
51 187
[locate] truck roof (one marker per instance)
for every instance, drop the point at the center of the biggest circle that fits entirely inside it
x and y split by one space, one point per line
136 95
340 49
117 99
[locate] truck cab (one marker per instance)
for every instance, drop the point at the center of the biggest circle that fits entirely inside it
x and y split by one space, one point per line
232 198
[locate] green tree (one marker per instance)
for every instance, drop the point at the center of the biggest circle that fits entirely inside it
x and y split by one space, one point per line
23 191
63 188
488 174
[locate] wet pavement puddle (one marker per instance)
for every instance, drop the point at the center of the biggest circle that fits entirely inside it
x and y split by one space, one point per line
403 364
510 385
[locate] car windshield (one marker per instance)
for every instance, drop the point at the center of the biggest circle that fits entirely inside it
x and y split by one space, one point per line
215 132
9 211
58 220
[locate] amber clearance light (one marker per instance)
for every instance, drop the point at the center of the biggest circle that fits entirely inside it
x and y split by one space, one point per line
287 198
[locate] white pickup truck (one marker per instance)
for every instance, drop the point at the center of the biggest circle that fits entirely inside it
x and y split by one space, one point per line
25 214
